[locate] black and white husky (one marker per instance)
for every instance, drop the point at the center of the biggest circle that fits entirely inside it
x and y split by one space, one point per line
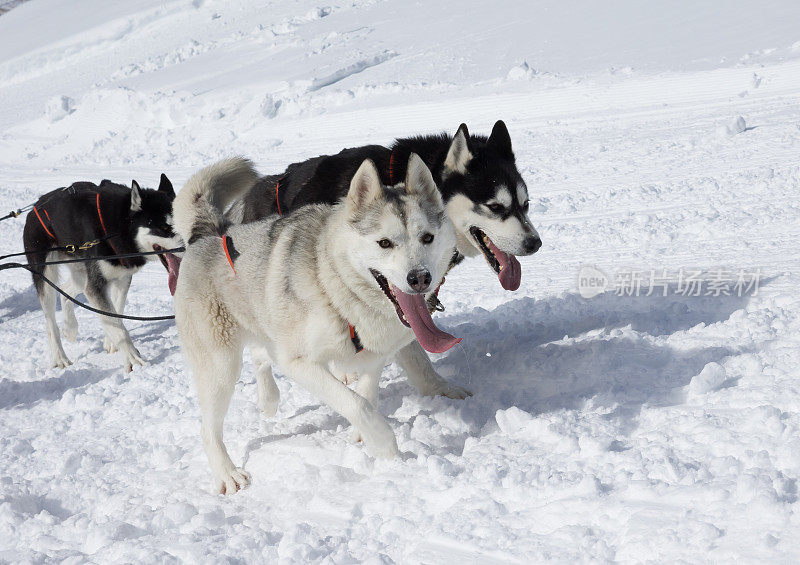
485 195
328 290
123 220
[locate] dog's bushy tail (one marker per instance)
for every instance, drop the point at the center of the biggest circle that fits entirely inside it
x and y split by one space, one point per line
199 206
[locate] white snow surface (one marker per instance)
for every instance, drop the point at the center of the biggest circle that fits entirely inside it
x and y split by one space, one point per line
613 428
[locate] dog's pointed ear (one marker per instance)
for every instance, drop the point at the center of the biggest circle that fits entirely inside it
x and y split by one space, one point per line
166 186
500 140
365 186
419 180
458 156
136 197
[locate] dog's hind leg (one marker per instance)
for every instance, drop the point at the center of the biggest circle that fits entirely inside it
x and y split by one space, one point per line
420 372
48 298
216 373
212 343
95 292
375 430
268 393
118 293
217 364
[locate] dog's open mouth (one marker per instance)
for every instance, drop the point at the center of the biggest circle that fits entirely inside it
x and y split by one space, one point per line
161 257
172 263
412 310
507 266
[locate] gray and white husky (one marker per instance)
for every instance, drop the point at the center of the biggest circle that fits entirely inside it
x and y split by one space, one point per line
327 291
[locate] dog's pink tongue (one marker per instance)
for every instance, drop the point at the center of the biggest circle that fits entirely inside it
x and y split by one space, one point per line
174 265
416 312
511 271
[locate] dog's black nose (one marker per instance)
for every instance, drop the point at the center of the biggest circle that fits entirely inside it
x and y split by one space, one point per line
419 279
532 244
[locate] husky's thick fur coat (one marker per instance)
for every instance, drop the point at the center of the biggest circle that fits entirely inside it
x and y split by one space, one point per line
297 285
124 220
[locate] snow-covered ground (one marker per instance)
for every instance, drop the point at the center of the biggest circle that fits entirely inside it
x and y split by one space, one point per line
612 428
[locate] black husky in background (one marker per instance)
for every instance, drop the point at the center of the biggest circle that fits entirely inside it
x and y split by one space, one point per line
122 220
485 195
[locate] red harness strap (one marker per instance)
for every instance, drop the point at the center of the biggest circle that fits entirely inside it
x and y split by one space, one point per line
277 199
391 167
224 239
105 232
41 222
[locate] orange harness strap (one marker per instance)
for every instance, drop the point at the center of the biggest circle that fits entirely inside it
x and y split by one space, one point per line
355 339
224 239
105 231
41 222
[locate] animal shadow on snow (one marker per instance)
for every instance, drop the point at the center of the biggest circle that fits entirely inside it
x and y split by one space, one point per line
19 303
516 354
17 394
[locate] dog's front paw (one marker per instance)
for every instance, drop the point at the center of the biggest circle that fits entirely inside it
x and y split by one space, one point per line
355 435
70 332
441 387
268 405
232 481
109 345
132 357
378 438
451 391
60 360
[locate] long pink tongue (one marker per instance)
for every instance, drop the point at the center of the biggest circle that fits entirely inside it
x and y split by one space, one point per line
416 311
510 271
174 265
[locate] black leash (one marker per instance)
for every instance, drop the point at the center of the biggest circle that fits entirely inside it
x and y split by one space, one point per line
15 213
32 270
101 312
19 211
85 259
70 248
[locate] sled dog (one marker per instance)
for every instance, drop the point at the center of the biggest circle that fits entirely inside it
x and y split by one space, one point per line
331 289
121 220
485 195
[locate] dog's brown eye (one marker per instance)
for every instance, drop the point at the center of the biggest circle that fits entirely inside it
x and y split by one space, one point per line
496 208
526 206
427 238
385 243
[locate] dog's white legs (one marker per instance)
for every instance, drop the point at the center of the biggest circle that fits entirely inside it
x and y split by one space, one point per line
73 286
367 387
375 430
214 352
216 373
70 327
47 298
268 393
113 327
420 372
118 293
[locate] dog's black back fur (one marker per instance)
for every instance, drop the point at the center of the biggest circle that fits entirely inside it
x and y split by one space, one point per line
69 216
320 180
326 179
